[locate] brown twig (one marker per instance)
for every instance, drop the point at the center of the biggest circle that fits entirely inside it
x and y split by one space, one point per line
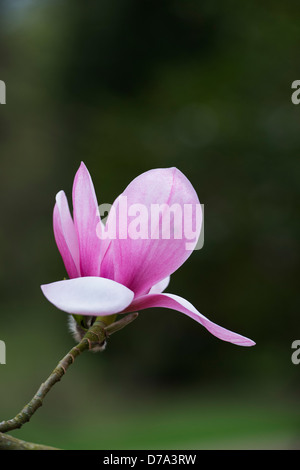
95 336
12 443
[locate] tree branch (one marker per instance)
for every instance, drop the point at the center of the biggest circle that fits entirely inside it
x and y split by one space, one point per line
12 443
95 336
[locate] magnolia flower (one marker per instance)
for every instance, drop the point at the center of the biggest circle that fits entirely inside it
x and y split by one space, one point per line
123 274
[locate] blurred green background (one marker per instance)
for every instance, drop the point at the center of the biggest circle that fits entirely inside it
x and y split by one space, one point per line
126 86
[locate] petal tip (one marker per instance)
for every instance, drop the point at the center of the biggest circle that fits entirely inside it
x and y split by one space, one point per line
250 343
61 194
83 166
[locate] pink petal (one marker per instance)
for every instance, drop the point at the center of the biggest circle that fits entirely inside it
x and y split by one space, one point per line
142 262
65 235
178 303
88 296
86 220
160 286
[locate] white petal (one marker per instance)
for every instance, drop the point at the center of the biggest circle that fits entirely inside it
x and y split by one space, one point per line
160 286
88 296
